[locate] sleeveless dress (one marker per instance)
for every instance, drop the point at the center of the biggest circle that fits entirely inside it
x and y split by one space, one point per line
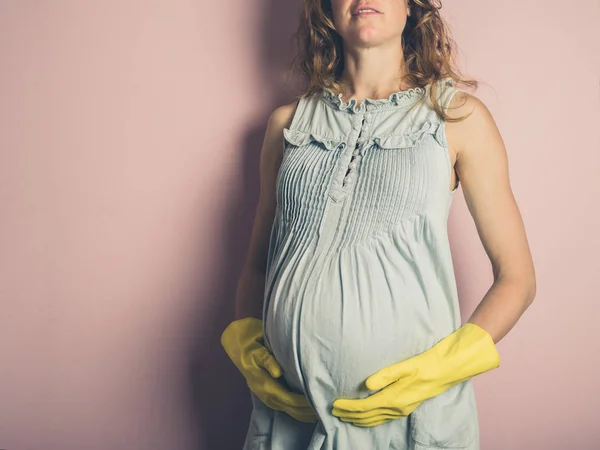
359 271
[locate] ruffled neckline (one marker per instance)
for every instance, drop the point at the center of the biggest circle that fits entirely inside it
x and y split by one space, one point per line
394 100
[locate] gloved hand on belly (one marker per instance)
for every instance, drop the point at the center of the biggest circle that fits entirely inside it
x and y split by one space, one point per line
467 352
241 340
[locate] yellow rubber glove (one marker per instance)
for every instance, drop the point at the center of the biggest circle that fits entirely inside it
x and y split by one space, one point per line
467 352
241 340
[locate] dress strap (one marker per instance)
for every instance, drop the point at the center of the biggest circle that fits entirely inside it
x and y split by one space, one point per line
300 107
447 89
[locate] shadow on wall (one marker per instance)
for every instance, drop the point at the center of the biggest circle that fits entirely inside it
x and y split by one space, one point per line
221 404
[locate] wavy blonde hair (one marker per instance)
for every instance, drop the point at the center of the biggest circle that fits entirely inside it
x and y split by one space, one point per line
426 42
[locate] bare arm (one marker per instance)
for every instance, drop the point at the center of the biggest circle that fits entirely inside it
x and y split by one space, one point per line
251 285
482 167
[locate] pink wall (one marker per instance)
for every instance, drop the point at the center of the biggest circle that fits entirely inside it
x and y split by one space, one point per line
130 134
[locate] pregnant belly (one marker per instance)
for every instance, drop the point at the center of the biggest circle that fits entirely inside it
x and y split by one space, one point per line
343 325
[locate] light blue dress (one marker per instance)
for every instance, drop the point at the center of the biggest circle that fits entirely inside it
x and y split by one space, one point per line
359 272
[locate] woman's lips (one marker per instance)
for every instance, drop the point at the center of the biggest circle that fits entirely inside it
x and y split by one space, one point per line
366 13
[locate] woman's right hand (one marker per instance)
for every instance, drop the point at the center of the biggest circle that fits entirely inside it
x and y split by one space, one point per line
241 340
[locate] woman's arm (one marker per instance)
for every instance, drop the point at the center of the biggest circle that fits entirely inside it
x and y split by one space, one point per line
243 339
251 285
482 167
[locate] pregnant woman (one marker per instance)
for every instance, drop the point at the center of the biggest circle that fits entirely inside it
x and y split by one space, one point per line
348 329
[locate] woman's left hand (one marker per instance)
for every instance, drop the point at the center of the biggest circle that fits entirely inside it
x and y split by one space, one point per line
467 352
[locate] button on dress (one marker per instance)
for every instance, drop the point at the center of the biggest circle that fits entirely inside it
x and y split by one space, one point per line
359 270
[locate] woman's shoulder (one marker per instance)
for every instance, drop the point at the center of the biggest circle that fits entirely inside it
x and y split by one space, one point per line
281 116
476 120
279 119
